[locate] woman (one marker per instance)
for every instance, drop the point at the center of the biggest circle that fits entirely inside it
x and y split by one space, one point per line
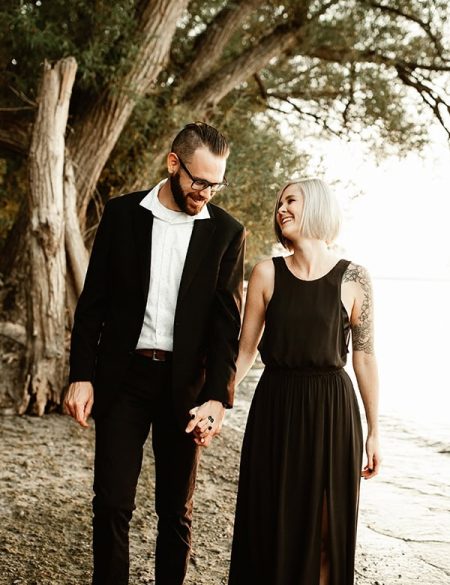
301 462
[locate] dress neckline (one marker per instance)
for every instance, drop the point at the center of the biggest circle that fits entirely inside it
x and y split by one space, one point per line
283 258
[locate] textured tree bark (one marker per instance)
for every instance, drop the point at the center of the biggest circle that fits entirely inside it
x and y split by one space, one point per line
212 43
77 255
96 136
76 251
46 293
210 92
13 331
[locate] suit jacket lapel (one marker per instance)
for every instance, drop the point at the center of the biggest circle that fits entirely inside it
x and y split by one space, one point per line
201 234
143 223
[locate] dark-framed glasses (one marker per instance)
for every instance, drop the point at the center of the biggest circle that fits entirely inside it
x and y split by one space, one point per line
202 184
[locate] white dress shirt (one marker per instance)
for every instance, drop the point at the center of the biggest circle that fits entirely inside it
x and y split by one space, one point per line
171 234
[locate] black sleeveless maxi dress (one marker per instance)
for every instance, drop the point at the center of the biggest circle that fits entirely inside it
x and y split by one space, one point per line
303 440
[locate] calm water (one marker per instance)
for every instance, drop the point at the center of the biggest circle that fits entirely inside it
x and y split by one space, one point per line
413 350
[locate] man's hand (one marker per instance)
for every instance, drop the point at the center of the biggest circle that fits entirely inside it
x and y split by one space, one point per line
79 400
206 422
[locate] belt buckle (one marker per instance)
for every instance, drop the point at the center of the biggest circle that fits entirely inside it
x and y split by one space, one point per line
154 358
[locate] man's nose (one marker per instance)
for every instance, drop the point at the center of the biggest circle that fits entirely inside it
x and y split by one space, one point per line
207 192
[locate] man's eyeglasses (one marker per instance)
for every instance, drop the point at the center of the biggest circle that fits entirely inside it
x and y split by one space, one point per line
202 184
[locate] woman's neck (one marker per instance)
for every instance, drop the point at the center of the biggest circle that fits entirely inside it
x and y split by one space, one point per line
311 258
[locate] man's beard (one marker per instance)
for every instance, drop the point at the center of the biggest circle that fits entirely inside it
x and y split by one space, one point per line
180 197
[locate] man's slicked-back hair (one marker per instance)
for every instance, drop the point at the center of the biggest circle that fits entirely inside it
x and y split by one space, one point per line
199 135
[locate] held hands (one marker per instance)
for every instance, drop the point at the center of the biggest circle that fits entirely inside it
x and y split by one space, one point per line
206 422
373 458
78 401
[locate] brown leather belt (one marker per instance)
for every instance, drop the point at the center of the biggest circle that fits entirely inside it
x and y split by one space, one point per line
157 355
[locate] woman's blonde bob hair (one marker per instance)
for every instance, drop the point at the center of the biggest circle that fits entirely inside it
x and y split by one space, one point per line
321 218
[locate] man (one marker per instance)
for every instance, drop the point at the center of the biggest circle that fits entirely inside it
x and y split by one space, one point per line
154 344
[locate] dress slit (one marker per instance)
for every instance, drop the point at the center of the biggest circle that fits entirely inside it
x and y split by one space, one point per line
327 545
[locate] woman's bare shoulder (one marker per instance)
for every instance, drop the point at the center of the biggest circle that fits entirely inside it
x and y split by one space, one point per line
357 274
264 268
262 277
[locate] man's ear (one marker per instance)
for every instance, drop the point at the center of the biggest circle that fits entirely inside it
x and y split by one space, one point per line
172 163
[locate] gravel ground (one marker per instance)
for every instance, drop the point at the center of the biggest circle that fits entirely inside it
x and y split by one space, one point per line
45 493
45 509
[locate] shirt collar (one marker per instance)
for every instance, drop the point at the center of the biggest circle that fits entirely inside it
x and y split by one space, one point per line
152 203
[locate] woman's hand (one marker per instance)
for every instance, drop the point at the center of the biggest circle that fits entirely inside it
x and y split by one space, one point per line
373 457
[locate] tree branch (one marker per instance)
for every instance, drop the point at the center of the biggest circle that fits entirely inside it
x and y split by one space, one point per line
267 95
210 44
317 119
425 26
351 96
209 93
320 11
430 96
408 73
261 87
20 109
349 55
22 97
15 134
76 252
308 94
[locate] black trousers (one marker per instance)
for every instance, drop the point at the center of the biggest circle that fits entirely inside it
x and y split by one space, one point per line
144 402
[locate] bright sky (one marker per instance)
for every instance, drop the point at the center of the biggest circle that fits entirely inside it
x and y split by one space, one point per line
399 225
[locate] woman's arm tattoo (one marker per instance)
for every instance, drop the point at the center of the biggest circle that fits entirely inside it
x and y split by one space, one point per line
362 332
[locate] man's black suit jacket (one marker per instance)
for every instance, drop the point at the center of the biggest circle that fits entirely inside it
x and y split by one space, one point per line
110 311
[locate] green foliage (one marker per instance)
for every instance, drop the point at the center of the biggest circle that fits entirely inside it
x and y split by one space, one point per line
342 76
98 34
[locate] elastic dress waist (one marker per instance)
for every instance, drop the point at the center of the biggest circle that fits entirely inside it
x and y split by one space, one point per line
305 371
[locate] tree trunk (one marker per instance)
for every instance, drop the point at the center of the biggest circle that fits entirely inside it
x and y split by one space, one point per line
46 293
97 135
77 253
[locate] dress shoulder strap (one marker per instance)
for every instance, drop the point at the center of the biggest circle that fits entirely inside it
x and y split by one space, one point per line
277 260
280 271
